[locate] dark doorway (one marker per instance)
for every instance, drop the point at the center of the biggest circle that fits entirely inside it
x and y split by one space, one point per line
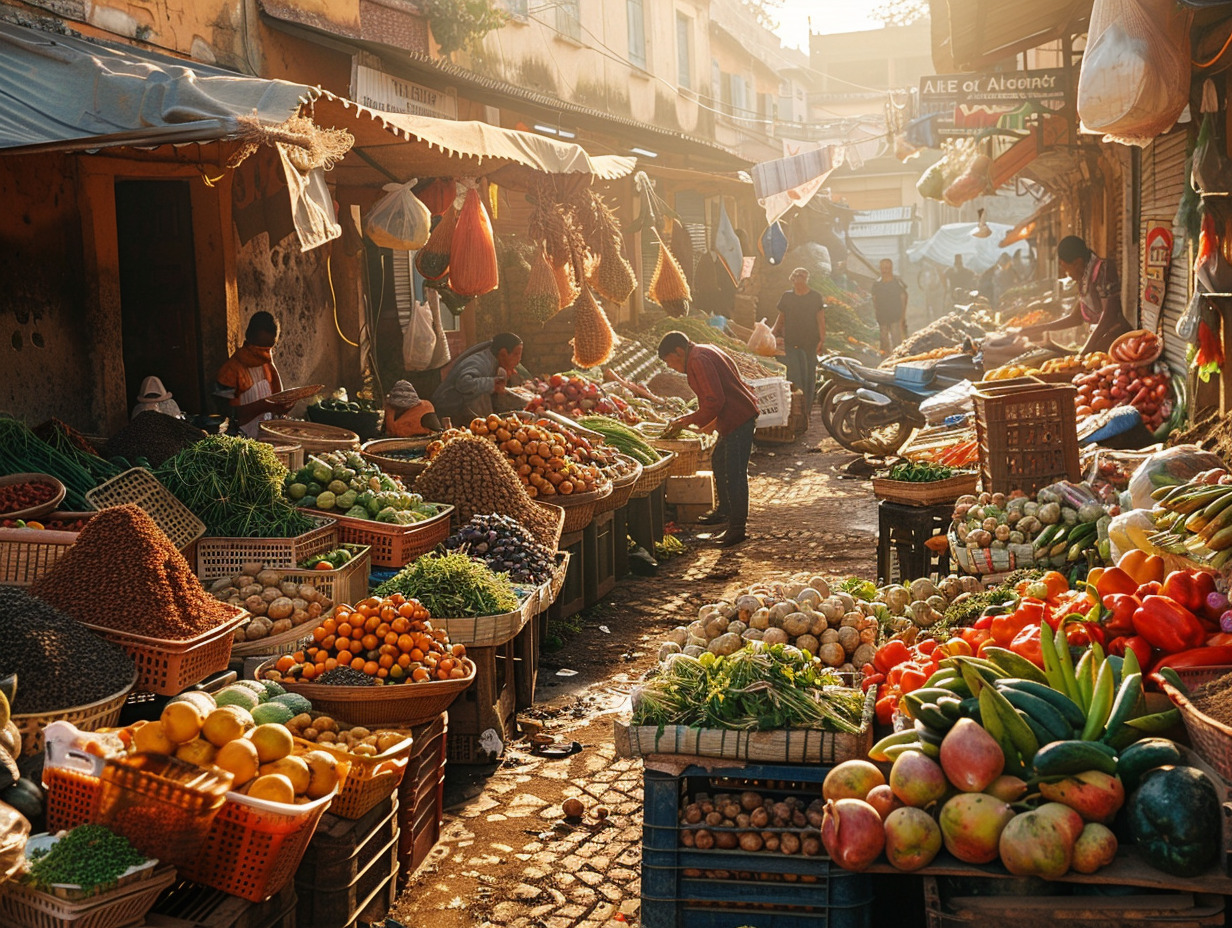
158 289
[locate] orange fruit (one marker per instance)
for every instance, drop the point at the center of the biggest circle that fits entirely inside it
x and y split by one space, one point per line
370 642
284 663
358 663
344 630
419 674
344 657
370 668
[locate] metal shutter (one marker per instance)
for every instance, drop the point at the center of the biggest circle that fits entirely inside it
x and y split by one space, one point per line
1163 184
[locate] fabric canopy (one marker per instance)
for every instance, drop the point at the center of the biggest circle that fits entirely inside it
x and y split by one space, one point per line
978 254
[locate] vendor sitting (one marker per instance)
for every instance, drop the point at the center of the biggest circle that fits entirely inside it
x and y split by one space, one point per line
249 378
1099 297
476 384
406 415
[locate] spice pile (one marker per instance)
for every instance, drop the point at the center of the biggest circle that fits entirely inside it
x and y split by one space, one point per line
154 437
505 546
1215 699
124 574
59 664
234 486
472 475
453 586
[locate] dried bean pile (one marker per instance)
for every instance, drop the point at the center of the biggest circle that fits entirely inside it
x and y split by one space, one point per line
153 436
1215 699
58 663
123 573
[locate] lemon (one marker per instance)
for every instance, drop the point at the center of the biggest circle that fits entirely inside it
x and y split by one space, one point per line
226 723
198 751
294 768
273 742
152 737
272 787
323 770
182 720
239 758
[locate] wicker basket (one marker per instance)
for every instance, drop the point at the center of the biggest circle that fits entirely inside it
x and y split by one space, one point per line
140 488
550 539
1211 739
366 423
293 639
291 454
225 557
580 507
347 584
622 488
23 906
490 631
990 560
313 437
371 778
26 554
400 467
653 476
933 493
33 512
169 667
396 545
391 706
692 454
99 714
1144 362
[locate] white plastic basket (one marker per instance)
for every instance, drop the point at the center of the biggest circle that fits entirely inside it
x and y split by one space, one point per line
773 401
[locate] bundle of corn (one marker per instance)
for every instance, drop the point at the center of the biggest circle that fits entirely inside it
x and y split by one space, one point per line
432 261
668 287
593 338
613 277
473 269
542 294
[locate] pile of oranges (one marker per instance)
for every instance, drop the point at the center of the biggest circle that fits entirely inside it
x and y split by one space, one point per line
390 639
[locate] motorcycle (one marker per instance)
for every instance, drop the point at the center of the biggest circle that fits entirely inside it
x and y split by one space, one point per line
869 411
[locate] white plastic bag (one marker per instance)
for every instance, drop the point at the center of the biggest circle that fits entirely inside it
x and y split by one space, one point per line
1169 467
1134 81
399 219
762 340
419 340
952 401
440 354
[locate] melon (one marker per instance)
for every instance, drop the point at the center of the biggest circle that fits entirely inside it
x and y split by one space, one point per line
272 711
236 695
256 686
294 701
272 689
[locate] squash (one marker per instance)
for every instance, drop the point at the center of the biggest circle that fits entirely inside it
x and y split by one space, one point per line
1176 820
797 623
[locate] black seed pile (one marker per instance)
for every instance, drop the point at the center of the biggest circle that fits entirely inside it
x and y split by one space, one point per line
153 436
59 664
505 546
345 676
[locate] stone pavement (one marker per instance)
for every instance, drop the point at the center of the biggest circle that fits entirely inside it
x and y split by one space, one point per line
507 857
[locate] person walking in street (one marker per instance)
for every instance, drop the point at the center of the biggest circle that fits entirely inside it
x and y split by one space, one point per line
476 382
890 307
930 284
248 378
959 282
802 326
1004 279
726 405
1099 297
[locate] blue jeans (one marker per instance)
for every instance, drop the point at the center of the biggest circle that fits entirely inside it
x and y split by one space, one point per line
730 462
802 372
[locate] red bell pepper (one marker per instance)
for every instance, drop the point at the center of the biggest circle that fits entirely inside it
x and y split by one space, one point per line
871 680
1027 644
974 637
885 705
1081 634
1168 625
983 623
1113 581
1005 627
1183 587
1120 619
1218 640
1149 589
927 646
913 677
891 654
1139 645
1197 657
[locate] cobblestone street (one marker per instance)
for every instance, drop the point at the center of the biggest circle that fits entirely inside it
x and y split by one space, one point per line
506 855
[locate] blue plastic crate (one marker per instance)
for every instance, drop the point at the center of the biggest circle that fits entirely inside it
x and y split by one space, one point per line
915 373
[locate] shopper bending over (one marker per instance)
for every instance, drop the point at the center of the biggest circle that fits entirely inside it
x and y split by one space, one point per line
726 405
1099 297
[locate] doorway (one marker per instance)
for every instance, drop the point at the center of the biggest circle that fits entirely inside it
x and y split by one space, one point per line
158 289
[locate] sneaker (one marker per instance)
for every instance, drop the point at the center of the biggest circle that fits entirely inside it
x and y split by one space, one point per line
713 517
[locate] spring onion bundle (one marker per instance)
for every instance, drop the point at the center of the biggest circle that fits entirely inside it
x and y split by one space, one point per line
453 586
622 438
23 452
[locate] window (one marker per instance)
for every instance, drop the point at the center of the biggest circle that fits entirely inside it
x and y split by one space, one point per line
568 19
635 10
684 51
739 96
516 9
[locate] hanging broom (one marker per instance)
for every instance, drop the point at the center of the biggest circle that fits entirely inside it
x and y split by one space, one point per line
593 338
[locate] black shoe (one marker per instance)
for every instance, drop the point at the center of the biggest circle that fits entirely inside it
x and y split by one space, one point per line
731 538
713 517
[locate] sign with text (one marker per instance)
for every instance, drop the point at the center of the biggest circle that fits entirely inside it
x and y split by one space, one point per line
1156 260
380 91
1011 101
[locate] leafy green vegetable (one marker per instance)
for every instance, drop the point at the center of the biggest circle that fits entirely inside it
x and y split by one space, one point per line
453 586
89 856
864 590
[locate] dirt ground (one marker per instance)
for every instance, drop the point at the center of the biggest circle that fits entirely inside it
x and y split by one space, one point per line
506 856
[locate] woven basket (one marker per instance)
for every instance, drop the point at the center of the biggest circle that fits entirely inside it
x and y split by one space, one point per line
551 538
912 493
33 512
24 906
370 780
622 488
396 545
291 454
388 706
90 717
490 631
26 554
314 437
293 639
991 560
1211 739
400 467
653 476
692 455
140 488
219 556
579 507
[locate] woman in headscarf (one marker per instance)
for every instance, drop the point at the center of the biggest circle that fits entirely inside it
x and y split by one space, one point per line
406 415
249 377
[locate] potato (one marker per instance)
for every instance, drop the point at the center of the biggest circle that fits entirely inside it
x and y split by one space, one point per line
770 840
759 818
797 623
703 840
692 813
280 626
731 809
289 589
774 636
750 842
727 643
789 843
726 840
808 643
686 837
743 820
280 608
716 625
750 800
810 847
849 639
714 819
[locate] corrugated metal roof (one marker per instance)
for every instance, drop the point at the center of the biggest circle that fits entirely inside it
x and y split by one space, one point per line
889 214
878 229
983 32
76 94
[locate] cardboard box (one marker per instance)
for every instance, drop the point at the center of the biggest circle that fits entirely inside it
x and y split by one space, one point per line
691 512
695 489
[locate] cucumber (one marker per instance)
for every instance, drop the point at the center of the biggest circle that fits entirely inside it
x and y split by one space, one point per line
1066 757
1061 702
1042 712
1123 707
931 715
1142 756
1015 665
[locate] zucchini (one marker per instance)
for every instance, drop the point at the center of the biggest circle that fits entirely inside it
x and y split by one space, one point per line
1062 758
1142 756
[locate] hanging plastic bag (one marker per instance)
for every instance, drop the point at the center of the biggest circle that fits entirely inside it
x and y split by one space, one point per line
473 267
419 340
1167 468
1134 82
440 354
593 338
399 219
439 195
432 261
1187 325
762 340
971 183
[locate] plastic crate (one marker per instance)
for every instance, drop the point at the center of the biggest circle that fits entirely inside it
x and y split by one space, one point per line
421 798
25 907
226 557
773 401
190 905
371 893
901 533
684 887
26 553
1027 433
141 488
348 584
396 545
342 848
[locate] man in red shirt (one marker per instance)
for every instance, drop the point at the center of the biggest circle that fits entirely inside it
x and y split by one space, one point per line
727 405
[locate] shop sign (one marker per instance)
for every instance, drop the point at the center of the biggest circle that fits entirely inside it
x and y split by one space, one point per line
1010 101
380 91
1156 260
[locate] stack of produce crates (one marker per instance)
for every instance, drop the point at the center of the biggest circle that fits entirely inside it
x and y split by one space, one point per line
421 797
1028 434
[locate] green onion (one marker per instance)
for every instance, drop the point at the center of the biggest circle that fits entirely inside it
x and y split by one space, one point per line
453 586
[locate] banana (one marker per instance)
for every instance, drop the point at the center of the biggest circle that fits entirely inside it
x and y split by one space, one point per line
894 751
1221 540
1192 501
1082 676
1044 713
1101 704
992 723
878 751
1052 663
1016 728
1017 666
1066 663
986 667
1042 735
951 706
1156 723
1069 709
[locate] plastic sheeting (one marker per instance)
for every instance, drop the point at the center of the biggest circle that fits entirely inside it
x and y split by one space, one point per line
978 254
